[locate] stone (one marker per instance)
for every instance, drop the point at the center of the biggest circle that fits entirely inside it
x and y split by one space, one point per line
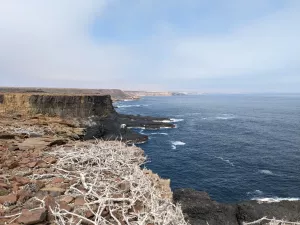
40 184
25 161
4 185
3 191
31 203
67 199
49 202
58 142
32 164
13 147
22 180
42 164
32 217
15 187
10 199
125 186
57 180
53 191
24 195
12 164
138 206
50 160
79 201
7 136
65 206
89 214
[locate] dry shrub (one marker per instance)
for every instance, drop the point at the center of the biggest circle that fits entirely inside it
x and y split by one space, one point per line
115 188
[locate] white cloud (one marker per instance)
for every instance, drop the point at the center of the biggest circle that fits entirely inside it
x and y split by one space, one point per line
51 41
264 46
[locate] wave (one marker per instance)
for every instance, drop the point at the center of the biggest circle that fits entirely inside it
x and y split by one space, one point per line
225 117
220 117
256 192
275 199
176 143
225 160
129 106
159 134
176 120
172 120
267 172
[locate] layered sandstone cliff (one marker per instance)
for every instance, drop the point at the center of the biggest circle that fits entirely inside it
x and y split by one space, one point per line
56 105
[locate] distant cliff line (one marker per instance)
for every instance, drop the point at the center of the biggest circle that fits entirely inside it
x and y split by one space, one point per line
116 94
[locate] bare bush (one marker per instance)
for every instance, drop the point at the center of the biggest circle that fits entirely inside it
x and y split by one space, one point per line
271 222
114 187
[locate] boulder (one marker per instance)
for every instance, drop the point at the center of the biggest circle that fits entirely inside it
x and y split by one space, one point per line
32 217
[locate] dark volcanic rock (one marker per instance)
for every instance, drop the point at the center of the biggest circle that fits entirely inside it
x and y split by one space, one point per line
117 127
284 210
147 122
199 209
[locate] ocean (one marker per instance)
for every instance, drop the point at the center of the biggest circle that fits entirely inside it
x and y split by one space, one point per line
235 147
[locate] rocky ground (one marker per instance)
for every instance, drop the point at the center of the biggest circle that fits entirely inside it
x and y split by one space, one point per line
48 175
200 209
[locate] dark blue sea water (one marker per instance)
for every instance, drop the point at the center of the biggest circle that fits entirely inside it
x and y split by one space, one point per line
235 147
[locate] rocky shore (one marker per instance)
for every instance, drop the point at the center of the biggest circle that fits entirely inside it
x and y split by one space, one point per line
200 209
55 171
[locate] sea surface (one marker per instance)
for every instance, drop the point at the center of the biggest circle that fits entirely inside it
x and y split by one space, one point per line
235 147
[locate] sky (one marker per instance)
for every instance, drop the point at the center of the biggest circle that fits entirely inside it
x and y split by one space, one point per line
213 46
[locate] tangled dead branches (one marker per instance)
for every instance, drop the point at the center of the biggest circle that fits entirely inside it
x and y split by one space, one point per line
115 189
271 222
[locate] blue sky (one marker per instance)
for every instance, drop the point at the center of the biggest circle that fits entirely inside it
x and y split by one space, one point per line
227 46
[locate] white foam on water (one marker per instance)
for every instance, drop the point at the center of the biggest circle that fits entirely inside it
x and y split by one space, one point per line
162 121
275 199
225 117
176 120
267 172
159 134
225 160
256 192
176 143
129 106
172 120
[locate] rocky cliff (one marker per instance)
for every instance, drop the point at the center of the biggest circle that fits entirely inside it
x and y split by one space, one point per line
57 105
116 94
93 112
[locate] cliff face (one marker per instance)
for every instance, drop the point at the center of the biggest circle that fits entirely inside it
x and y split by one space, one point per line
115 94
147 93
57 105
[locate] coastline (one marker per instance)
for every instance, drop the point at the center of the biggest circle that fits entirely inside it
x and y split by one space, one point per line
199 208
27 141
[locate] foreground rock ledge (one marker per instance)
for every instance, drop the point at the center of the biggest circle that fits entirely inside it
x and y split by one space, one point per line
85 183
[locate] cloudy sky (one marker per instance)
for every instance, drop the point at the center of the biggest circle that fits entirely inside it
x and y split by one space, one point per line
227 46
